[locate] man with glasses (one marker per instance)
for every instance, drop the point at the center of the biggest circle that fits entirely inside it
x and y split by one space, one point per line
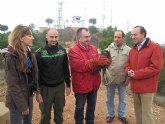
83 59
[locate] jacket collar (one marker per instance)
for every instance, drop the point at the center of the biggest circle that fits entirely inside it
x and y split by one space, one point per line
51 47
147 42
115 47
81 47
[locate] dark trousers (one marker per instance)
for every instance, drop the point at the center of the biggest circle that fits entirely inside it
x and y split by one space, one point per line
81 99
52 97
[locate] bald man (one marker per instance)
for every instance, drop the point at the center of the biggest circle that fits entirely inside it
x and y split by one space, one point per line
54 76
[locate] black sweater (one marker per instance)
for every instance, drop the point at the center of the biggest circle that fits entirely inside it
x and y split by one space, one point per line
53 66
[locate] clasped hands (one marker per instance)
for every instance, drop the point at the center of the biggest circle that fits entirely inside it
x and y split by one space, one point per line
131 73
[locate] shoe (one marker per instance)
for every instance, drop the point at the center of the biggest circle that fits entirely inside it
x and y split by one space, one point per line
110 119
124 120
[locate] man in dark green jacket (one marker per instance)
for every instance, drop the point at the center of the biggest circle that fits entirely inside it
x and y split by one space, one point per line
53 72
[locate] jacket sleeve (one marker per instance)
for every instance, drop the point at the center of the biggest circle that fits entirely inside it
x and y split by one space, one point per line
155 66
35 78
77 62
66 70
127 67
38 58
15 87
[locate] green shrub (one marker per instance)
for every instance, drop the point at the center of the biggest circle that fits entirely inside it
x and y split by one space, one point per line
104 43
161 85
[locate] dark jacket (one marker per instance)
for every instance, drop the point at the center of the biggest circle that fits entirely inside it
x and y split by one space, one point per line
17 82
53 66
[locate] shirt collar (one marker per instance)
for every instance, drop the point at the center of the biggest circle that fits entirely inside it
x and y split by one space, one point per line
139 46
119 47
142 43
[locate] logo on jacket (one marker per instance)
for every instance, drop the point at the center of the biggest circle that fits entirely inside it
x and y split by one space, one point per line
60 51
44 52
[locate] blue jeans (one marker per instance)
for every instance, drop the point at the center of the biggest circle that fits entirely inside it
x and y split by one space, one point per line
110 100
90 109
17 118
28 119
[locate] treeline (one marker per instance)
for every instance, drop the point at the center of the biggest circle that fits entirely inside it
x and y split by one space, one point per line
100 38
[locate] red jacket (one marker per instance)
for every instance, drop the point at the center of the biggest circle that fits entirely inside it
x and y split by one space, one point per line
147 64
83 81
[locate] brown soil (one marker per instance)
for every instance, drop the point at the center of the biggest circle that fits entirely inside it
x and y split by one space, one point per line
101 111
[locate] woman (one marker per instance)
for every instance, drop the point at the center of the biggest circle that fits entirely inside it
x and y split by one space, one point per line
21 71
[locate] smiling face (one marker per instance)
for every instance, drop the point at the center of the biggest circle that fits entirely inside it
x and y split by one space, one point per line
52 37
85 38
28 39
21 38
137 35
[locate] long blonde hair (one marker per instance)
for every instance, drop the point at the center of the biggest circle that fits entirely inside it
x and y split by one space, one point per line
19 47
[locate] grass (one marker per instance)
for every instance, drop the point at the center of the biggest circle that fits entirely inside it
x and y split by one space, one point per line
159 100
2 85
2 77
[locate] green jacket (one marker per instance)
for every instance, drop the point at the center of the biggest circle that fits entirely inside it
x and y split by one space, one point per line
53 66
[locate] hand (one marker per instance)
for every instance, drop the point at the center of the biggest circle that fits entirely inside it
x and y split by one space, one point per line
102 60
95 62
25 112
39 98
68 91
131 73
127 81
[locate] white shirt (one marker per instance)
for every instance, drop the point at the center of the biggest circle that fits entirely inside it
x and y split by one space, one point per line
139 46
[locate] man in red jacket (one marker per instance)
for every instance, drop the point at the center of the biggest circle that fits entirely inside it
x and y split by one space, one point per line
83 59
145 62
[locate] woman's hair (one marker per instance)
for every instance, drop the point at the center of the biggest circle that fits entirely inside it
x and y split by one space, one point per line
18 46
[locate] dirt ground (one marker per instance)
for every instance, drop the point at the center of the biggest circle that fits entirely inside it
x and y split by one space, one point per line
101 112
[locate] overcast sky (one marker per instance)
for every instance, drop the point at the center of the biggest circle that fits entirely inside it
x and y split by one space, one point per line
124 14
